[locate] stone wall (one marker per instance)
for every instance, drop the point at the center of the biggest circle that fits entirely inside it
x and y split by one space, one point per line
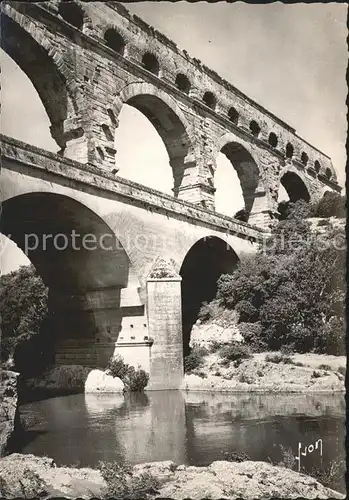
83 79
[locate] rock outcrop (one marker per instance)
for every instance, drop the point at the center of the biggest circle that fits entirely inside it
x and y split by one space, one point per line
8 408
29 476
100 381
259 375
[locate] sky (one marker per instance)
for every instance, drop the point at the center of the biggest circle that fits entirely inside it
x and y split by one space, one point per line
291 59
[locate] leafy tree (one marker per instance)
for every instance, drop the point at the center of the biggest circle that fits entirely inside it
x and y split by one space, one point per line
331 205
293 289
299 209
23 304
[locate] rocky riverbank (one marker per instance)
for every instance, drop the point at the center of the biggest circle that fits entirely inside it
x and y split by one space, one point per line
28 476
9 417
269 372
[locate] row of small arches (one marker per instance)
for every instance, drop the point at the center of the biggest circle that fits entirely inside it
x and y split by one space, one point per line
73 14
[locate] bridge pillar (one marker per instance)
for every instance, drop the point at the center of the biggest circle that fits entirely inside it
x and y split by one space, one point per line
86 326
165 327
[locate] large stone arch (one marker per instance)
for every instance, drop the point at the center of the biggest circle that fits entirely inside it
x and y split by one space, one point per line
167 118
249 171
295 184
83 264
204 263
44 65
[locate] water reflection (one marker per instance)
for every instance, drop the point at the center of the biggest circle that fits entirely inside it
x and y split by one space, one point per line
195 428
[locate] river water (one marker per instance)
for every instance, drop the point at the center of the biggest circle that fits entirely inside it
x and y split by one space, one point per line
188 428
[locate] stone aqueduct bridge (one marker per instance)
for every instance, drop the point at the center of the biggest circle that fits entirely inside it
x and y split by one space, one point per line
148 260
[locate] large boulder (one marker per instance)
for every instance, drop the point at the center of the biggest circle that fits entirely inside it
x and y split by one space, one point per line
100 381
8 408
28 476
203 334
248 480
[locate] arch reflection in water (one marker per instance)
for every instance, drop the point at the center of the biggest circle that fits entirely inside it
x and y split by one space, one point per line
191 428
152 427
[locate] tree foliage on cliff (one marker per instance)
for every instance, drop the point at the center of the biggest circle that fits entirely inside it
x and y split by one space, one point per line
330 205
23 305
293 290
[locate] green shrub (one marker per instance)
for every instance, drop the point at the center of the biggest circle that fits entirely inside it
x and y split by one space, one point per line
122 485
248 313
134 380
294 210
332 474
252 334
235 456
194 359
243 378
325 367
117 367
208 310
331 205
323 222
279 358
25 333
330 338
215 345
235 352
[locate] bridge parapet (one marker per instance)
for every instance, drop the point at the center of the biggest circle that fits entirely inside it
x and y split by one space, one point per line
16 154
87 59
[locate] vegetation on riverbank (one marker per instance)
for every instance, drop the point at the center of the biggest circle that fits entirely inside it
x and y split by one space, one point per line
291 294
134 380
235 368
24 317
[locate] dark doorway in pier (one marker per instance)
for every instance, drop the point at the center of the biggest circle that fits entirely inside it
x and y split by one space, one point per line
294 187
205 262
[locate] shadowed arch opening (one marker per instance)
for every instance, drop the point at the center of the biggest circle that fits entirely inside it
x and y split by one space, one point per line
41 69
273 140
254 128
295 187
210 99
233 115
183 83
204 263
72 13
247 171
21 106
151 63
81 262
115 41
167 124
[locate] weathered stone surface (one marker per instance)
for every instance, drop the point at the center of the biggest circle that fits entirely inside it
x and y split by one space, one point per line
258 375
86 82
8 408
100 381
28 476
248 480
204 334
83 102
